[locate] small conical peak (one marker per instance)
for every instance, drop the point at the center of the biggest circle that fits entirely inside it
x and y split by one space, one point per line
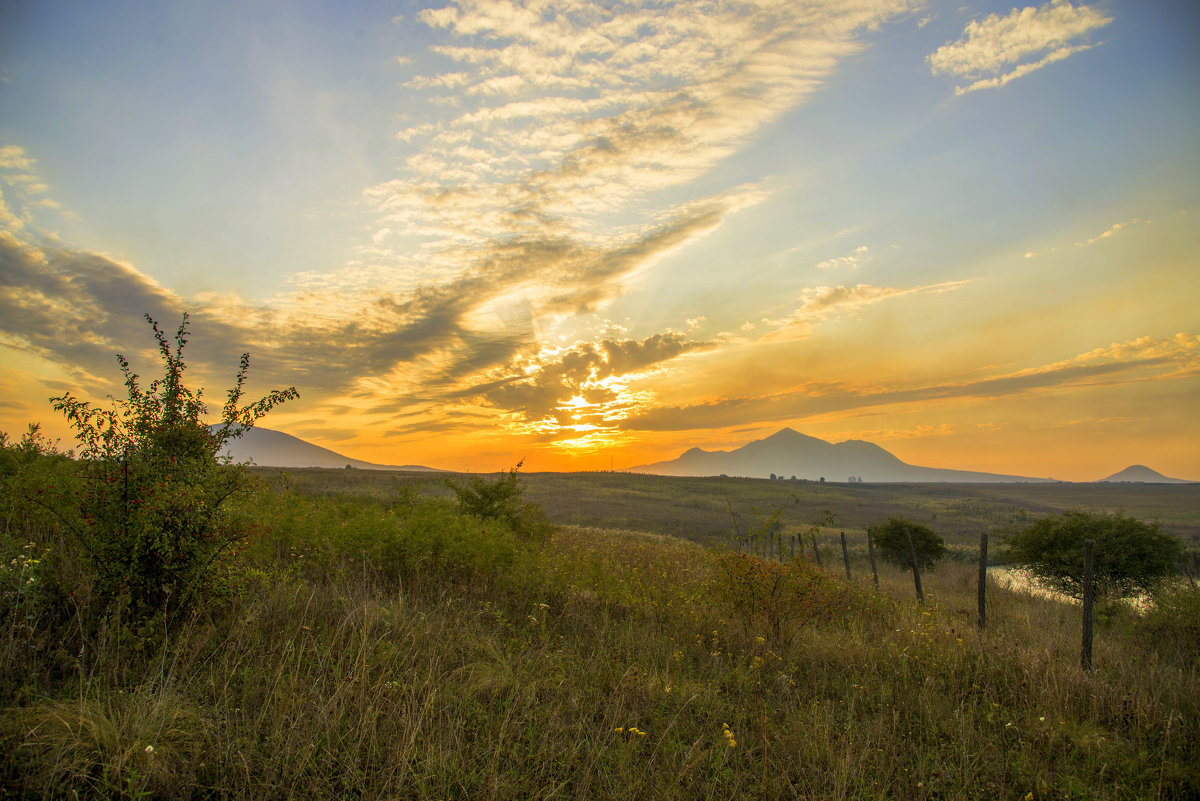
786 434
1139 473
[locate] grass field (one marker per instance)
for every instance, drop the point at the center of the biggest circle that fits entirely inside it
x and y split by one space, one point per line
699 508
368 642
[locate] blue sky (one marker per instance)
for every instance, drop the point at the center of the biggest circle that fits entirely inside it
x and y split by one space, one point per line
593 233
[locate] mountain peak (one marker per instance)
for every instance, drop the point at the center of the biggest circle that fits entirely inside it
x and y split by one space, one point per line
789 435
1140 474
787 452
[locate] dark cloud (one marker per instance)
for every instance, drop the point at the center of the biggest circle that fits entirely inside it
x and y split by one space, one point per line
577 373
78 309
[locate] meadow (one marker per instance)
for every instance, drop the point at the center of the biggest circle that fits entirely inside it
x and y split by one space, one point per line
368 640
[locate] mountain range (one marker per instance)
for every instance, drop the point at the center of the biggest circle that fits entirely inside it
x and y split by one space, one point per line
785 454
788 453
269 448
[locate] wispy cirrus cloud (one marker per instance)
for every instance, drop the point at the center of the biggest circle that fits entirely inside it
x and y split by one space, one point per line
22 190
1110 232
574 111
860 256
1142 359
998 49
821 303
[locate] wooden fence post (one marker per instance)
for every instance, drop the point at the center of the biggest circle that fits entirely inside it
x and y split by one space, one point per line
845 556
1089 590
871 553
912 555
816 550
792 554
983 542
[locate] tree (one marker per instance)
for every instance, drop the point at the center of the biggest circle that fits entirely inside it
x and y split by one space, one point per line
152 523
891 538
1130 556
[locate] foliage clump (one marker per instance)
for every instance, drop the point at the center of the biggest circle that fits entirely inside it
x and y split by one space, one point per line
1171 626
150 507
502 500
777 598
892 538
1129 555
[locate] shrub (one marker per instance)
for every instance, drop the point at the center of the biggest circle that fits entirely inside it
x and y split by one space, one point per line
777 598
150 518
892 538
1129 556
502 500
1172 624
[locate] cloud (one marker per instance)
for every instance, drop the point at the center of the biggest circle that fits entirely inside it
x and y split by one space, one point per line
586 385
528 132
1112 231
860 255
415 349
1109 233
820 303
997 50
1143 359
889 434
20 188
576 110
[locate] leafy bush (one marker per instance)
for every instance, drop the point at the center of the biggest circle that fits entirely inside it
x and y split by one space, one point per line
502 500
892 537
150 517
1172 624
777 598
1129 556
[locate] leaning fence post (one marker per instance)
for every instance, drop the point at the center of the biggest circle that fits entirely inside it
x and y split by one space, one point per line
1089 590
871 553
816 550
912 555
983 540
845 556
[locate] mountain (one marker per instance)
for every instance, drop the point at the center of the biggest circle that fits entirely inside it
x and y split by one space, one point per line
268 448
789 453
1140 474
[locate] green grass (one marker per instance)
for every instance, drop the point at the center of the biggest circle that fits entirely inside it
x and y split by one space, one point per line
372 644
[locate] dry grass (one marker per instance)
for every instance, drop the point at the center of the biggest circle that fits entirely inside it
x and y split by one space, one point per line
598 664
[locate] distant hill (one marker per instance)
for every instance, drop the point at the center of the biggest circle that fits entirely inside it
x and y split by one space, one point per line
788 453
268 448
1140 474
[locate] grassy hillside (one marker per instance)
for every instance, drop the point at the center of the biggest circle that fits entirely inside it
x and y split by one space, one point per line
367 641
699 508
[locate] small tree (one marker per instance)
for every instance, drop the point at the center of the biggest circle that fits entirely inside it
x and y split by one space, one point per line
891 540
155 483
501 500
1129 556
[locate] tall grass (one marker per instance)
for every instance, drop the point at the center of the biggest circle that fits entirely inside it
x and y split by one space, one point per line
388 648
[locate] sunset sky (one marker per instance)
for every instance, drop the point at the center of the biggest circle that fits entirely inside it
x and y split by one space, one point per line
595 234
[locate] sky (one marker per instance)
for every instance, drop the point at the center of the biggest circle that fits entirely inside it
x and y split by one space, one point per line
591 235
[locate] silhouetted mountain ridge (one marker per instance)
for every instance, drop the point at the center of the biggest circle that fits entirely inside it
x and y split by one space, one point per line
269 448
788 453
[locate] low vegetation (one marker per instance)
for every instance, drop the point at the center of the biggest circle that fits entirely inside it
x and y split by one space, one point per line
1130 556
903 543
370 639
